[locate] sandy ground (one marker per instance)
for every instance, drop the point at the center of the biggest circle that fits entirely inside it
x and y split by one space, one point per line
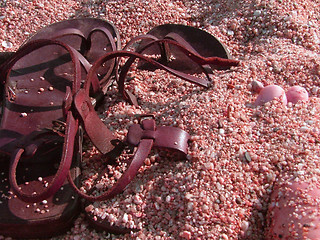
238 151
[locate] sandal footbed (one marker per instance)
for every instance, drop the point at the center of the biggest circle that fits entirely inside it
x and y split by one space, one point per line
201 41
85 25
44 219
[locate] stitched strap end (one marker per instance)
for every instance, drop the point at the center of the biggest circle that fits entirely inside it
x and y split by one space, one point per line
98 133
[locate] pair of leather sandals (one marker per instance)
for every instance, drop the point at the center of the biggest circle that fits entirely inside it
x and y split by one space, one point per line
50 87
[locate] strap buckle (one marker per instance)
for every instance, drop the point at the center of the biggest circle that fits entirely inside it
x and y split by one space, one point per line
142 117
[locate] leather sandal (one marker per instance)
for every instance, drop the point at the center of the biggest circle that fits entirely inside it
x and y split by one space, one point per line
181 50
38 148
33 99
195 40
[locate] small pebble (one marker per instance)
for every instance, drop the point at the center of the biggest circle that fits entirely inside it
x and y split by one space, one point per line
230 32
7 44
297 93
269 93
247 156
257 13
185 235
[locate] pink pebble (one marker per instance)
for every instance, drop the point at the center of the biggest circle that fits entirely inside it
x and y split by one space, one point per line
185 235
297 93
294 212
269 93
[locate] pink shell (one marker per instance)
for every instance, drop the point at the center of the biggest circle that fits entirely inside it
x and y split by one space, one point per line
296 93
269 93
294 212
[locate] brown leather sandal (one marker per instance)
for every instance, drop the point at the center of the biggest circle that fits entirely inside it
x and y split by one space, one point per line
39 81
33 100
195 40
181 49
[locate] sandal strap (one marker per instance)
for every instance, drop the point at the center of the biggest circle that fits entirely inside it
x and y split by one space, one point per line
66 32
138 38
201 61
176 37
163 45
124 71
97 131
193 55
71 127
62 172
85 42
185 47
107 34
107 77
85 46
145 137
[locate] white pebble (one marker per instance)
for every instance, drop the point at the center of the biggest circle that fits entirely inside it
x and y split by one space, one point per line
137 200
244 226
230 32
99 186
209 165
125 218
7 44
304 129
224 236
257 13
